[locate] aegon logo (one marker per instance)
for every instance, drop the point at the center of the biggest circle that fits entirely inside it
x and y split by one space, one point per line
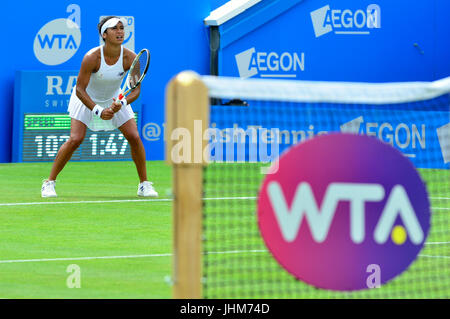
346 21
401 135
332 209
443 134
269 64
57 41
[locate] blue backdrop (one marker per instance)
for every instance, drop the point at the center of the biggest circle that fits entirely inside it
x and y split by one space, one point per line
173 32
412 44
338 41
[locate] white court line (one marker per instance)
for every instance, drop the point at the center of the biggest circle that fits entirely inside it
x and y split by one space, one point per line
80 258
428 256
152 200
438 243
119 257
88 202
146 256
115 201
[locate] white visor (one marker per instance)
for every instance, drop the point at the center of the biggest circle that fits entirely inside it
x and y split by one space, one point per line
112 23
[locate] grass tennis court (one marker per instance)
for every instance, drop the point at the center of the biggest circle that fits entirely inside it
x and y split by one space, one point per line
123 244
72 230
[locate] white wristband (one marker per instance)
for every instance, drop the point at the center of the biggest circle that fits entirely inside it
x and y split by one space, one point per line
97 110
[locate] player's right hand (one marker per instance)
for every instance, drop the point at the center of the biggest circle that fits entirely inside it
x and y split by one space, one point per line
116 105
107 114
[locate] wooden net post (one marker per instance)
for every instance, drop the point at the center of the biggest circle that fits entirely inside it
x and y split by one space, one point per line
187 119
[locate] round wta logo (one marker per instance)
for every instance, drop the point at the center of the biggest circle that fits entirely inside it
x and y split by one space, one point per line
339 204
57 41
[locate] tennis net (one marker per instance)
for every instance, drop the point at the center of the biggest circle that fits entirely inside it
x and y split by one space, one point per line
251 122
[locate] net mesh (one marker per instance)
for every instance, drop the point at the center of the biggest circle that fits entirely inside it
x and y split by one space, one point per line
236 262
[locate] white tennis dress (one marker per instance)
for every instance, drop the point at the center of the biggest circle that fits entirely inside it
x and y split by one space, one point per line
103 86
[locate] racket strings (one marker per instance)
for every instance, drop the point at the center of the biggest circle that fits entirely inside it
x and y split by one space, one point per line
138 70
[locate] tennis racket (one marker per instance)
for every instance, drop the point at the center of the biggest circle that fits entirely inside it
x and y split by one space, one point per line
136 73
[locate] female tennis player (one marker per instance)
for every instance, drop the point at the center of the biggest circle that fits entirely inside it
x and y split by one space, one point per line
93 104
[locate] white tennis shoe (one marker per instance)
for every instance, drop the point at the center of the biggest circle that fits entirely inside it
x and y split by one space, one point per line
48 189
145 189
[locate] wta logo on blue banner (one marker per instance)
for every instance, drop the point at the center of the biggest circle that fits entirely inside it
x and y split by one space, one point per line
57 41
332 210
326 20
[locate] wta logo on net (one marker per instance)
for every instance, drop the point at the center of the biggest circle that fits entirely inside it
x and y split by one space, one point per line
58 40
333 209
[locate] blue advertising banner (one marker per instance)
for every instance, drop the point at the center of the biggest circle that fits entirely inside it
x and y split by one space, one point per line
419 131
342 40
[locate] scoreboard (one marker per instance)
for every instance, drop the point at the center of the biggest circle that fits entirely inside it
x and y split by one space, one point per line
43 135
42 123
